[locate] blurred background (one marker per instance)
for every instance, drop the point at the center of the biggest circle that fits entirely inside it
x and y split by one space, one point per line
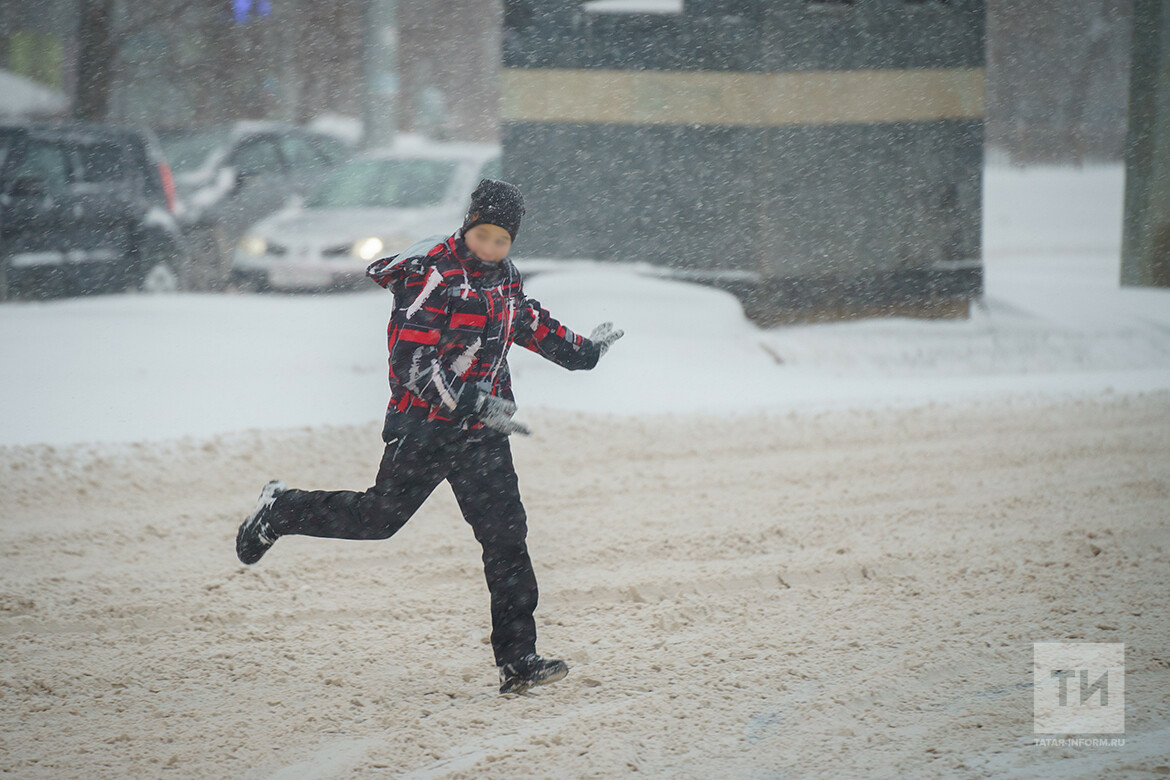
818 158
1057 70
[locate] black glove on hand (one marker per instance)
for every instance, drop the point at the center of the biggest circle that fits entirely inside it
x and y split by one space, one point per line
496 413
605 335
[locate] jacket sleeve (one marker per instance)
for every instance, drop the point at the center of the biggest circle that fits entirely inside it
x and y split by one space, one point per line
538 331
384 270
422 331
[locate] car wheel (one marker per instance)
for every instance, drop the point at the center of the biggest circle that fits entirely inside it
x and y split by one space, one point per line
249 282
17 287
160 279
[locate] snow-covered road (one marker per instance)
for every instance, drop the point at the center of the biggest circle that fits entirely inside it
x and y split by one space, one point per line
847 594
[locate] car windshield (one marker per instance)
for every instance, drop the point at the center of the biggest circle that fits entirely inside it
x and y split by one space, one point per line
187 151
402 183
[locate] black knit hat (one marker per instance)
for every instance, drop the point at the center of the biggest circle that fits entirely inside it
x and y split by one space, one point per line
495 203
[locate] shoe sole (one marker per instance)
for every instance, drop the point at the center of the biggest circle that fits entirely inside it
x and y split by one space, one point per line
523 686
267 496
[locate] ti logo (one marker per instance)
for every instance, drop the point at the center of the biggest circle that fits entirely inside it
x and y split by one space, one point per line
1078 687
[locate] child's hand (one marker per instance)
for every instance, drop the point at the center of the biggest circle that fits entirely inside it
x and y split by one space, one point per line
605 335
496 413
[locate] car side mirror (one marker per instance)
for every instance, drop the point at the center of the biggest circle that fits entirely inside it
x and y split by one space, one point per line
27 187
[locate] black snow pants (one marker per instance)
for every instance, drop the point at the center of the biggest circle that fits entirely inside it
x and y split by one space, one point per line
479 468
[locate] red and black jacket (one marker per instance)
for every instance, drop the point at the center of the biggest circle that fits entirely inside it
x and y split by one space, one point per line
454 319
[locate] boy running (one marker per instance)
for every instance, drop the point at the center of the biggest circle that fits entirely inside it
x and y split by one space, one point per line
458 306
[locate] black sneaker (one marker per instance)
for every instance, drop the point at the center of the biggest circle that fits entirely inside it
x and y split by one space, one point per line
519 676
256 535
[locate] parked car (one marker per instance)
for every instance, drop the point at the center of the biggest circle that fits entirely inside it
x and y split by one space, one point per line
85 208
371 207
229 177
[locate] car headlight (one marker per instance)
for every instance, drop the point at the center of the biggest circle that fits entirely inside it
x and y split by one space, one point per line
368 248
253 245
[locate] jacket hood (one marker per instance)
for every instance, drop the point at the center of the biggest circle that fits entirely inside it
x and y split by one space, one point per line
388 268
394 265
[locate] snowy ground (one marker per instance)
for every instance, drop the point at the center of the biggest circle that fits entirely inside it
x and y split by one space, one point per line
842 576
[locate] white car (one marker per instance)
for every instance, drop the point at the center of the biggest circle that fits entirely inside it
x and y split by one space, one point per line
373 206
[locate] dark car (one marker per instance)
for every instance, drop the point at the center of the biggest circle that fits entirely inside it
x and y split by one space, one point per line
229 177
85 208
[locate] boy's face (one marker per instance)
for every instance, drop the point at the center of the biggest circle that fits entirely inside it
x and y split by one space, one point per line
490 243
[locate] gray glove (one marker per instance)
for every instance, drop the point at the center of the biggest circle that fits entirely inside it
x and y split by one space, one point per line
604 335
496 413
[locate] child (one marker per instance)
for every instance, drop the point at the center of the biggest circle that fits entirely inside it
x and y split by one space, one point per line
458 306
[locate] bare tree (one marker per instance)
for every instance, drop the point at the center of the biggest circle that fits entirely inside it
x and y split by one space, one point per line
103 30
97 52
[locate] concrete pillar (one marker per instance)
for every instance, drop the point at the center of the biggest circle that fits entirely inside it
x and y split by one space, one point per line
380 66
1145 247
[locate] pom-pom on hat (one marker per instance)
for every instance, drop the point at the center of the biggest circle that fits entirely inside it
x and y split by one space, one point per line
498 203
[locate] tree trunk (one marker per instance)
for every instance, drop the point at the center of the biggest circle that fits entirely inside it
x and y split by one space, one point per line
96 60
